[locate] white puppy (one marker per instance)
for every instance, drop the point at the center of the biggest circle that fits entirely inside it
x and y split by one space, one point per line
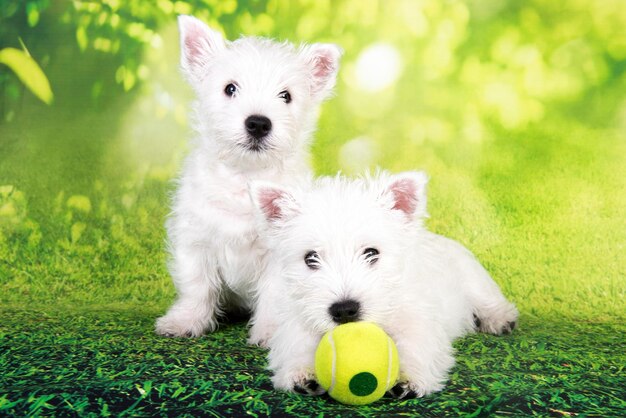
357 250
257 104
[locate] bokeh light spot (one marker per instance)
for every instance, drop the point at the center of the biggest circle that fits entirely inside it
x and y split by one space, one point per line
378 67
357 155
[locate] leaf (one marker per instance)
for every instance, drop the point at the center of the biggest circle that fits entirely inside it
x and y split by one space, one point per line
32 14
80 203
81 38
76 231
28 71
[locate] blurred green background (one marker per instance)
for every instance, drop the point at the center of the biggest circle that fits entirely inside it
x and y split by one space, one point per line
517 110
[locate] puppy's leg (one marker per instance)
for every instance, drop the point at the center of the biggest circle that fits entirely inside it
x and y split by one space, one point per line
425 354
198 285
263 320
493 313
292 360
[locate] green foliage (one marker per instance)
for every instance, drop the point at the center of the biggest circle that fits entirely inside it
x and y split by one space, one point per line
25 67
16 228
509 61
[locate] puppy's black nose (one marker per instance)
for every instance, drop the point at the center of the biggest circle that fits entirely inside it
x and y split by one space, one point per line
348 310
258 126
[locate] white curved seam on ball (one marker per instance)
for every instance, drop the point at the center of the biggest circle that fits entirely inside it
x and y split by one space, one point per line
333 364
389 362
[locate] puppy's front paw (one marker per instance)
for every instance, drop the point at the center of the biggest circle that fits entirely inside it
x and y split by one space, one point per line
498 321
260 336
410 390
260 341
299 382
179 326
308 387
402 390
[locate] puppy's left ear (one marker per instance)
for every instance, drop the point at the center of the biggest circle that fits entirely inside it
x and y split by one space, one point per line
273 202
322 61
406 192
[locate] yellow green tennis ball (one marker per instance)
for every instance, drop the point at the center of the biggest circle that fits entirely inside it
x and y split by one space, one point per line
356 363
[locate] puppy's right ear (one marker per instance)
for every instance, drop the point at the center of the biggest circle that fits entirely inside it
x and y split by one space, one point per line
198 44
273 202
323 63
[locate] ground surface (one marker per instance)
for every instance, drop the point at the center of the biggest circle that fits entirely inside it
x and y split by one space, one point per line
82 278
104 361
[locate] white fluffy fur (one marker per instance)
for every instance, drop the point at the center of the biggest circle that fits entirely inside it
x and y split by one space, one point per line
215 257
424 290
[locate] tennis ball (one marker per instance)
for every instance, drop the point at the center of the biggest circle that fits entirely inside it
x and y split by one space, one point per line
356 363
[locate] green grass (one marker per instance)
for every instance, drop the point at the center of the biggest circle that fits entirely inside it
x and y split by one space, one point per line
541 209
108 362
83 277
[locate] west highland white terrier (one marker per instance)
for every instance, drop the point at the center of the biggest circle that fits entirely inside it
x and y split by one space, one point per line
357 250
256 109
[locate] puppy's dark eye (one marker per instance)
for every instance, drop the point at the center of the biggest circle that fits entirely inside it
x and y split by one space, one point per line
312 260
230 90
371 255
285 96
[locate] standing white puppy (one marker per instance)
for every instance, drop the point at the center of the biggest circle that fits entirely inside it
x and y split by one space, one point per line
357 250
256 108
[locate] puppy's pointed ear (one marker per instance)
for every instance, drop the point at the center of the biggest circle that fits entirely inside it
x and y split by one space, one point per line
406 192
322 61
273 202
198 44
